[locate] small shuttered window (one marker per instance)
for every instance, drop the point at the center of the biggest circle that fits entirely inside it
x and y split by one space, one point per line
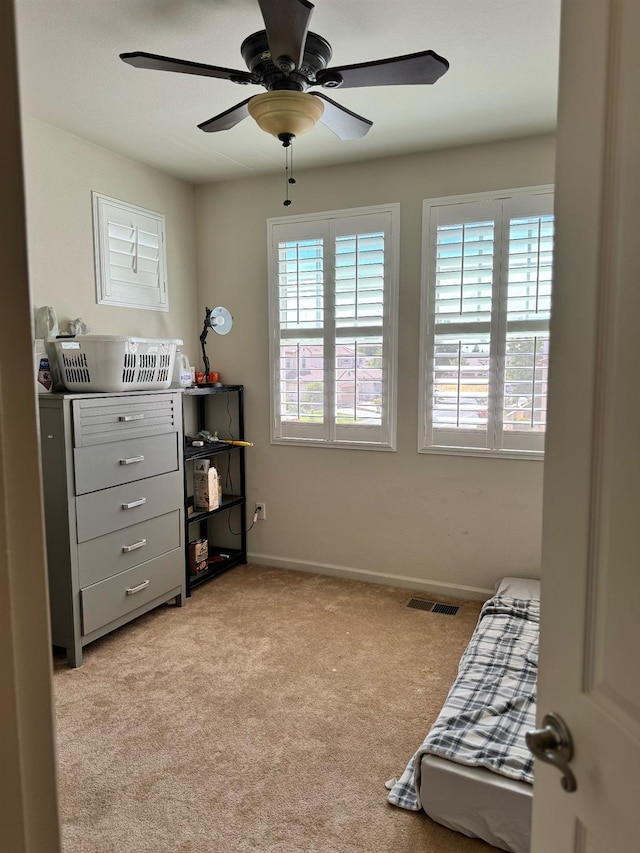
130 255
486 306
333 297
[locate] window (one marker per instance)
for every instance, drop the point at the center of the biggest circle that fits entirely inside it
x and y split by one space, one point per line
486 305
333 285
129 255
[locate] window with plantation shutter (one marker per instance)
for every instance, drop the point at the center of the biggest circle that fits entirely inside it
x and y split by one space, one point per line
333 316
486 306
129 255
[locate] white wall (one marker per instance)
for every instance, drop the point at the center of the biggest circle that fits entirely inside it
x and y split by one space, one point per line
433 522
61 171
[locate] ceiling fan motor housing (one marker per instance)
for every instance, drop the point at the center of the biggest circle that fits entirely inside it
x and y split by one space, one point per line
255 52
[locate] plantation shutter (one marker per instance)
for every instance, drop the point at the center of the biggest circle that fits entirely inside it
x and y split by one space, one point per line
333 341
462 285
529 264
130 255
487 304
362 319
301 344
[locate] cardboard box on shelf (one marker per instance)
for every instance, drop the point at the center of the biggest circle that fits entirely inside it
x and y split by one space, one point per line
198 556
205 486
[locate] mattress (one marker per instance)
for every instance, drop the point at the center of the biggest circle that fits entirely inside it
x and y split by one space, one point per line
477 802
473 772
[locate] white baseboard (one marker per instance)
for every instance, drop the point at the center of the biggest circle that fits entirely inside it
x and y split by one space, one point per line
436 587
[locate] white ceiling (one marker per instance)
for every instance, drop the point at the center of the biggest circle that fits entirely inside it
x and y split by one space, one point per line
502 80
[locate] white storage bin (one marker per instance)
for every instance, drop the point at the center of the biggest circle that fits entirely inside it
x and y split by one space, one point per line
114 363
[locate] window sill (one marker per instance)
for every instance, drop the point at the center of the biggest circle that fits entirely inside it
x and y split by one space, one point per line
531 455
334 445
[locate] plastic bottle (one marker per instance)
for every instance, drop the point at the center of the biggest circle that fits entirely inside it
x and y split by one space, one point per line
181 371
42 367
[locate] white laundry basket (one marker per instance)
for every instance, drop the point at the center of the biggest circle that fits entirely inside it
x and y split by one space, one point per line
114 363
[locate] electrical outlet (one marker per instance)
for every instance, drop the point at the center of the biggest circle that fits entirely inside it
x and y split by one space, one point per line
261 510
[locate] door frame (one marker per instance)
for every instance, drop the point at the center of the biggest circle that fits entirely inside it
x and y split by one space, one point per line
28 805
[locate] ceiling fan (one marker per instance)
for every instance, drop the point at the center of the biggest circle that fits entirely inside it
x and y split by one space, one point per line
287 60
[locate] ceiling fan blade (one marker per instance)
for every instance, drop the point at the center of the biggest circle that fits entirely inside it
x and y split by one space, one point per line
139 59
341 121
413 69
228 119
286 23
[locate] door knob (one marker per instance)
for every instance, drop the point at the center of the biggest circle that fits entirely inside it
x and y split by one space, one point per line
553 745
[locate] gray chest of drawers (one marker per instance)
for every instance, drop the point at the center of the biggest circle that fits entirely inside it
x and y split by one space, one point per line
113 491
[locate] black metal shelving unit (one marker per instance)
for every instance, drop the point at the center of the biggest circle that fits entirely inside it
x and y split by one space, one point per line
221 557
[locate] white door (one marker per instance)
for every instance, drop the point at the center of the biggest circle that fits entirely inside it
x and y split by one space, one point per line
590 632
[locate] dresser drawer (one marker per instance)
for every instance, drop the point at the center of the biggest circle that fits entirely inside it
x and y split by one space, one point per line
125 461
104 419
111 509
116 552
117 596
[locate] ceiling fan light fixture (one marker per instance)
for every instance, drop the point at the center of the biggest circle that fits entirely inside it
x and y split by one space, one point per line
284 113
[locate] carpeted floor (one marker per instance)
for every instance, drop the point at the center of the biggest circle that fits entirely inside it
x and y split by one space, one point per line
264 716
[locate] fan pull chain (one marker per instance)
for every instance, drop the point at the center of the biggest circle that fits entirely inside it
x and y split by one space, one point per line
287 200
288 169
292 180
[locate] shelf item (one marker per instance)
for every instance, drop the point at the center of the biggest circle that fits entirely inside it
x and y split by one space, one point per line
113 490
198 556
227 559
216 408
206 486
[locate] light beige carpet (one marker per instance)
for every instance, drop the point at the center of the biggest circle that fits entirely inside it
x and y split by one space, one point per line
263 716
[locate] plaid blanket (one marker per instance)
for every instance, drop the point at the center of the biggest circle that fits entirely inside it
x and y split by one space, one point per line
491 703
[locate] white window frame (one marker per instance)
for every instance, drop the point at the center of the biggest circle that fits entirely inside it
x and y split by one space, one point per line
128 287
328 225
506 203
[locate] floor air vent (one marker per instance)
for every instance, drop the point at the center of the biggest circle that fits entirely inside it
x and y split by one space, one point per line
447 609
432 606
420 604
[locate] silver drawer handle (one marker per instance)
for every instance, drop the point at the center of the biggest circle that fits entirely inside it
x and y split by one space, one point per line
139 417
131 460
133 504
138 588
127 548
